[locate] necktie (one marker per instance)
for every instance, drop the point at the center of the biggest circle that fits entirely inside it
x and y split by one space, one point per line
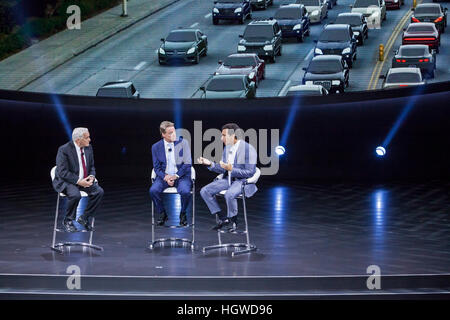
83 163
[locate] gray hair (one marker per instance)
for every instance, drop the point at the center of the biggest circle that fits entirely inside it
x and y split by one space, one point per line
78 133
164 125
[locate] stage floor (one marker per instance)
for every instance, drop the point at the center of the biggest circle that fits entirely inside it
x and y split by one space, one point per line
299 229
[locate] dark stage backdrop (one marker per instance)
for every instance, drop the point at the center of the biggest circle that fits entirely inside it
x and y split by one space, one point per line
333 138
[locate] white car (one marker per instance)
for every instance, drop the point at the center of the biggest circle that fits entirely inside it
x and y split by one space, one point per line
317 9
373 10
402 77
306 90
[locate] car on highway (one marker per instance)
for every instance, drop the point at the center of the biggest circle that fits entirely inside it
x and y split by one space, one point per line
229 86
394 4
237 10
416 56
422 33
402 77
370 8
304 90
118 89
261 4
431 12
330 71
293 20
317 9
262 37
331 3
357 22
337 39
185 45
248 64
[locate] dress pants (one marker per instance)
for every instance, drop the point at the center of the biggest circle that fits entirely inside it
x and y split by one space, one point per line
95 195
209 191
183 185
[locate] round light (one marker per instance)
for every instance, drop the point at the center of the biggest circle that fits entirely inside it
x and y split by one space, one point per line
381 151
280 150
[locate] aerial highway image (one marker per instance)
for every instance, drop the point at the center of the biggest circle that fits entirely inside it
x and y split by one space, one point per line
245 150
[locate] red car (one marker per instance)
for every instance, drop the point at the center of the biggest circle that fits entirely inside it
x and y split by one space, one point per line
243 63
394 4
422 33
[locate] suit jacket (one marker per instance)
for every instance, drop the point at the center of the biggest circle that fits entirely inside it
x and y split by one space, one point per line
182 158
68 167
244 165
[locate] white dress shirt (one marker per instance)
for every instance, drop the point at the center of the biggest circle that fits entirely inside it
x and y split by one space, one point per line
171 167
80 175
231 155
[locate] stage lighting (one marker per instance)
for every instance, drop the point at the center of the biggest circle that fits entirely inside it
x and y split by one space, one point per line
381 151
280 150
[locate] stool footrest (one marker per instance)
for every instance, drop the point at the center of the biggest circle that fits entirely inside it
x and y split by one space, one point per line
163 240
248 248
64 231
58 247
175 226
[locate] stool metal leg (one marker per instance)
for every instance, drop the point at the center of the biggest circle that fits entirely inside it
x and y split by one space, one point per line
183 240
58 247
248 247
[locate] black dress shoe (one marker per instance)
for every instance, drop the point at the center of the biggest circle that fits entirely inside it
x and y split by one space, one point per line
69 226
162 219
221 218
218 226
85 223
230 224
183 219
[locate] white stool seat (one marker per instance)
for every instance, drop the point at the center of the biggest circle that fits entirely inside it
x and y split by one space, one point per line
82 194
170 190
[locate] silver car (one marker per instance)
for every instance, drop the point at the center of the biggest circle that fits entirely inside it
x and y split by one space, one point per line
317 9
118 89
402 77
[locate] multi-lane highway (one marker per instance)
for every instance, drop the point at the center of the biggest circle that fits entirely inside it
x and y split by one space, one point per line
131 55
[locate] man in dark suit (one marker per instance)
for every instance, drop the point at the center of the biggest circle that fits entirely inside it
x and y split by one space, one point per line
172 164
75 172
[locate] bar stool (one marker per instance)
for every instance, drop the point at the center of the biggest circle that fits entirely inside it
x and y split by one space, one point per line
173 190
248 246
59 246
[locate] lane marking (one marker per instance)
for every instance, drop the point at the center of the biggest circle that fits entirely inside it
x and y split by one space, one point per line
194 25
140 65
285 88
208 15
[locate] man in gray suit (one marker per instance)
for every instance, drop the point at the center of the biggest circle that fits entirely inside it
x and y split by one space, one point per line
238 164
75 172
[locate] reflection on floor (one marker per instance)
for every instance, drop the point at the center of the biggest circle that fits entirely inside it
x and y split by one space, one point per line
299 229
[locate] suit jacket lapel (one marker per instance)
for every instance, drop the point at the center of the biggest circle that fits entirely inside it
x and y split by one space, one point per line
75 156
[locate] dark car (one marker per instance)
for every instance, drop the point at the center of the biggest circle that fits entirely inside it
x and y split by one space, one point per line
186 45
431 12
262 37
337 39
422 33
293 20
331 72
261 4
331 3
231 10
229 86
358 23
415 56
118 89
394 4
248 64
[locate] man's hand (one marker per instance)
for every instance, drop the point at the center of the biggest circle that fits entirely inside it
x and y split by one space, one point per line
171 183
167 177
226 166
204 161
86 182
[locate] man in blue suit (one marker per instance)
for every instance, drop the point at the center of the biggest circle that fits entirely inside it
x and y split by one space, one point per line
238 164
172 164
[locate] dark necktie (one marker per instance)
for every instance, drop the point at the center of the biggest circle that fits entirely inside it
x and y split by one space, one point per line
83 163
